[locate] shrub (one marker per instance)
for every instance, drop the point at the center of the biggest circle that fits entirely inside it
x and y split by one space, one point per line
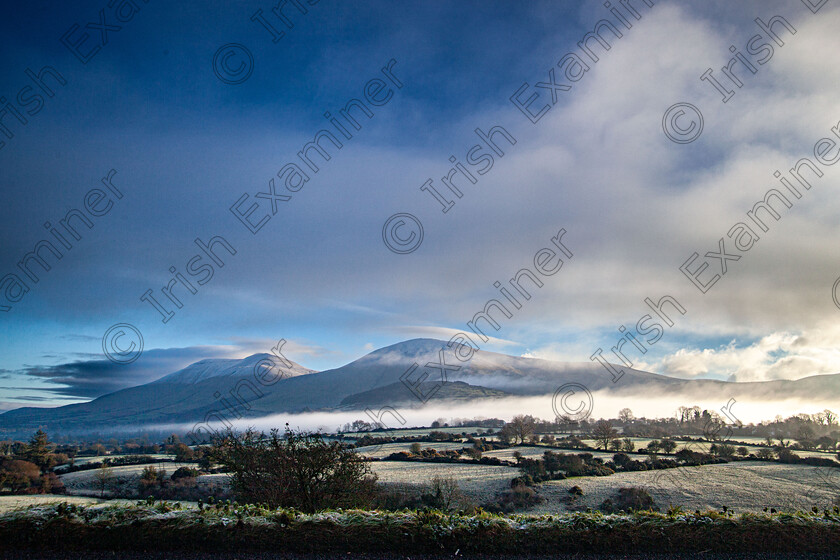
18 475
297 470
764 453
184 472
444 493
518 497
786 455
629 499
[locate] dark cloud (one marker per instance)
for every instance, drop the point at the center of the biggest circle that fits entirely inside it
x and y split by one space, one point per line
88 379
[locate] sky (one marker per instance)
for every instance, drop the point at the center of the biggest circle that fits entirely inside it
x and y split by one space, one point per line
196 107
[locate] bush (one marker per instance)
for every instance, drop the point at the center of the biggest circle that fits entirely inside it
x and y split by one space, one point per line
621 459
185 472
764 453
18 475
628 500
444 493
786 455
297 470
518 497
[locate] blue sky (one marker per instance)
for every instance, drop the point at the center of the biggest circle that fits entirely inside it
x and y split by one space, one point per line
635 205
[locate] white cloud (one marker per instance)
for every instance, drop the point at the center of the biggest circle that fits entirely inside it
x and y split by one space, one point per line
779 355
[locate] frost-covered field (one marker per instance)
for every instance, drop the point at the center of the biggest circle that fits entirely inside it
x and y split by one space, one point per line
99 459
479 482
742 486
753 445
8 503
85 482
380 451
537 451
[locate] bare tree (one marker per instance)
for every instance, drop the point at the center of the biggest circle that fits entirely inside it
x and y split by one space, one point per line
296 469
521 427
445 492
603 433
104 476
625 415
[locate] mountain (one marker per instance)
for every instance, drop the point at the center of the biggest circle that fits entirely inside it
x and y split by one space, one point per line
399 393
229 369
183 396
381 378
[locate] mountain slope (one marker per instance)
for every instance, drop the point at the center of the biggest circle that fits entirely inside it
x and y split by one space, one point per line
183 396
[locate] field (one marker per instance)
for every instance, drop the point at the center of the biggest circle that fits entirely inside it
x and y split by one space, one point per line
99 459
84 483
9 503
755 444
742 486
479 482
538 450
381 451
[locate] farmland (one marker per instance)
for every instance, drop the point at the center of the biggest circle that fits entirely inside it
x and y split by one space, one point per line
742 486
478 482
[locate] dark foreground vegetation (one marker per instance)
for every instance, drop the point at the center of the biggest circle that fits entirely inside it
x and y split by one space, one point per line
165 526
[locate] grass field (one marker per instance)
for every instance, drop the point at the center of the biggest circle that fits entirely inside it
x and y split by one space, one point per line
9 503
743 486
85 483
99 459
479 482
380 451
538 450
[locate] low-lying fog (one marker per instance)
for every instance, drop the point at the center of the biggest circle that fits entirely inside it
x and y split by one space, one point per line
574 403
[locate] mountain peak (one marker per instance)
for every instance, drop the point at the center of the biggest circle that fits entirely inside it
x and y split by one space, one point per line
228 367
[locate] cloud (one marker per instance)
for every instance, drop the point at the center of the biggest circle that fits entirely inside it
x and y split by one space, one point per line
88 379
779 355
446 333
295 350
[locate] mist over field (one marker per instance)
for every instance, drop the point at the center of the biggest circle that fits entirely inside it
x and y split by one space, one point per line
605 406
